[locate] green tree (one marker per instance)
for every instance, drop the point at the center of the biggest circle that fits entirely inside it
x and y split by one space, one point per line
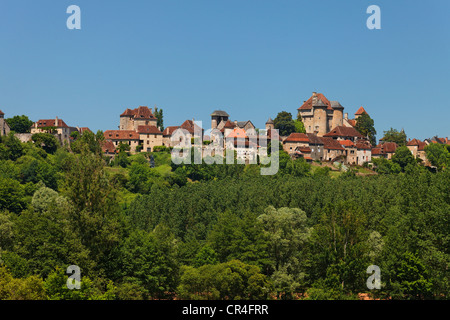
145 262
284 123
299 126
159 118
95 215
56 288
411 277
11 147
19 124
339 247
45 237
392 135
231 280
46 141
438 155
365 126
403 157
29 288
287 234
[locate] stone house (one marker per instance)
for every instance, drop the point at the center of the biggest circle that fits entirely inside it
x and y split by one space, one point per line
55 126
4 127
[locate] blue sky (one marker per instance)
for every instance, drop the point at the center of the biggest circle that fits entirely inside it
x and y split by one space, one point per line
252 58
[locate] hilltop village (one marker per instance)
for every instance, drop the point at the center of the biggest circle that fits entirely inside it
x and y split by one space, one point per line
330 135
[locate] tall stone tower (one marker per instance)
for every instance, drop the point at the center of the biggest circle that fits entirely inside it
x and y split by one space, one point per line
338 115
4 127
269 124
319 116
217 117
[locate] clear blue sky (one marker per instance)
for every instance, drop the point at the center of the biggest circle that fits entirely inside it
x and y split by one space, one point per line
252 58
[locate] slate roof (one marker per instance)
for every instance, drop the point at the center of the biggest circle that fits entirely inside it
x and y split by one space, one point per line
219 113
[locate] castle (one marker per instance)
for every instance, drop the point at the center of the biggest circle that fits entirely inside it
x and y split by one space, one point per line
320 116
330 134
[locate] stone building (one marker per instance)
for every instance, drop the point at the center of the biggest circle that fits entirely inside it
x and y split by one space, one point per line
4 127
319 115
55 126
417 149
131 119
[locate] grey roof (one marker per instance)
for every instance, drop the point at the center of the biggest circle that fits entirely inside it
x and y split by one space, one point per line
336 105
319 103
270 121
220 113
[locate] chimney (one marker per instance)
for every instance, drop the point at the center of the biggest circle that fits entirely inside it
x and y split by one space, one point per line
346 116
314 94
56 121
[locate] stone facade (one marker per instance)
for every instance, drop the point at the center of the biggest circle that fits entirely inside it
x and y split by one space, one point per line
4 127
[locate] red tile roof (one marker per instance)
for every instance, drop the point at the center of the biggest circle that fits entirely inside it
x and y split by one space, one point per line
416 142
190 126
237 133
330 143
377 151
148 130
388 147
346 143
303 149
1 113
121 135
343 131
297 137
141 112
308 103
352 122
229 124
84 129
363 145
314 139
170 130
108 146
360 111
51 123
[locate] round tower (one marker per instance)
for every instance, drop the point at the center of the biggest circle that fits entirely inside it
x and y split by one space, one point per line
269 124
338 114
319 116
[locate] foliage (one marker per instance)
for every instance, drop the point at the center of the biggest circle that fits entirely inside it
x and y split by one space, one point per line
284 123
392 135
46 141
403 157
233 280
365 126
19 124
438 155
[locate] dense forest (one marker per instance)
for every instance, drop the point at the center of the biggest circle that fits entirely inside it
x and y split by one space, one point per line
140 227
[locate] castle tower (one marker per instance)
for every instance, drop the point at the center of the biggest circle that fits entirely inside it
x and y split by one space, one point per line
337 114
360 112
217 117
319 116
4 127
269 124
